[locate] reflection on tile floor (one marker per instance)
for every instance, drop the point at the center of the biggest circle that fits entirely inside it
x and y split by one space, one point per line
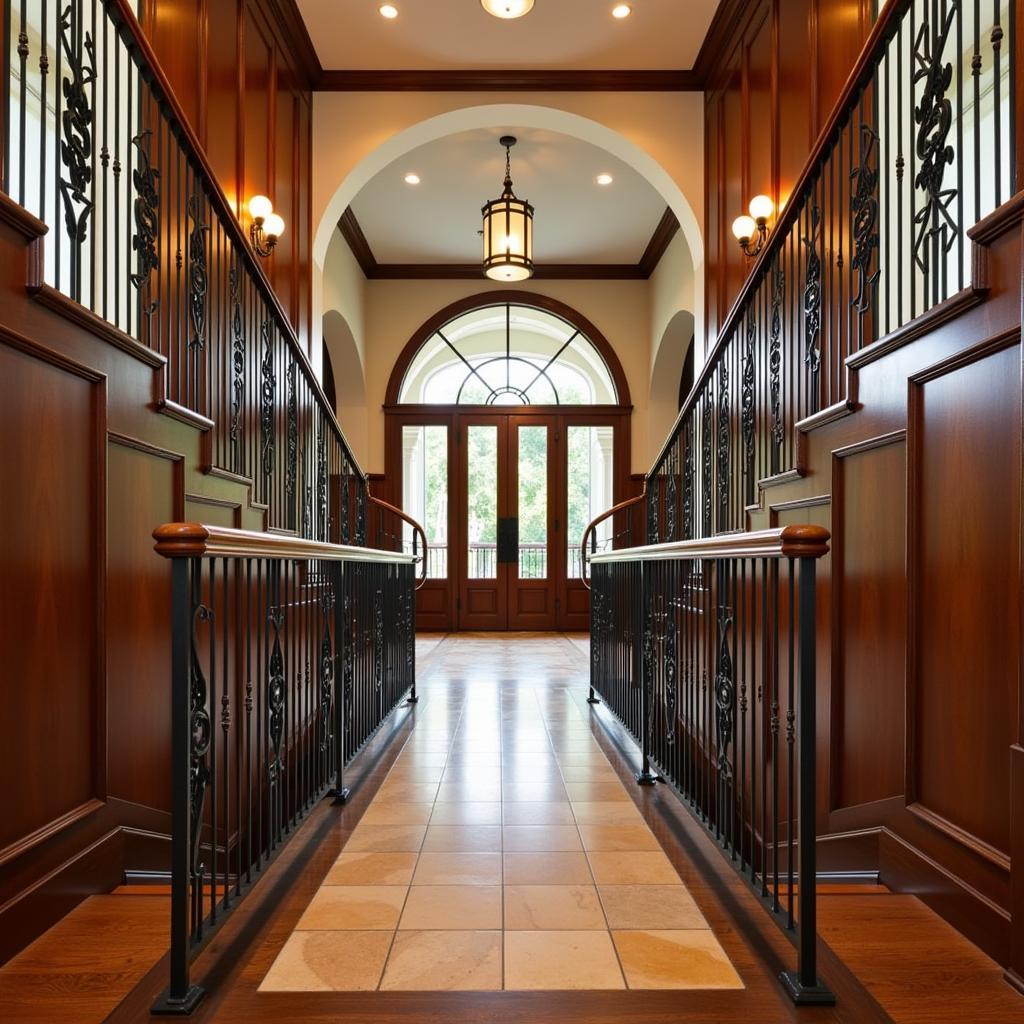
502 851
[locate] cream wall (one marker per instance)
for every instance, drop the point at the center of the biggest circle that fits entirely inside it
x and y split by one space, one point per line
396 309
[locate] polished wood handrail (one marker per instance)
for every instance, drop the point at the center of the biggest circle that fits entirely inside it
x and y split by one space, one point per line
595 522
796 541
395 510
123 15
199 540
886 24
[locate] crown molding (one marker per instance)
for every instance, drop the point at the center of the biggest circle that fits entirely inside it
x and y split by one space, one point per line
507 81
721 37
297 38
352 232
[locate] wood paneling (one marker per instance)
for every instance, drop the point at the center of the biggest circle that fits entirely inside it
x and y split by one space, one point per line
869 579
144 486
772 78
247 97
51 602
964 425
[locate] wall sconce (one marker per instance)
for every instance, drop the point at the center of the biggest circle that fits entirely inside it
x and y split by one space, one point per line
745 227
266 227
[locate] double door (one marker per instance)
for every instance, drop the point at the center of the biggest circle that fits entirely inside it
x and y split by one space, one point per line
504 498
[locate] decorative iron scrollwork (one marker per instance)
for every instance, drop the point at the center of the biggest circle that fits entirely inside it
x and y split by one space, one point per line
292 441
361 513
864 219
812 306
268 394
933 116
76 147
146 211
724 439
237 366
345 519
323 509
775 366
653 527
707 480
688 474
198 277
671 490
378 639
326 672
201 729
276 691
725 692
671 659
747 410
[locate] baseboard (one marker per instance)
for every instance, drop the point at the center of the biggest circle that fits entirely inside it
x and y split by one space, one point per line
98 868
905 869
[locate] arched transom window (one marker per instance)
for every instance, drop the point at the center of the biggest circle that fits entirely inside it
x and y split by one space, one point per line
508 354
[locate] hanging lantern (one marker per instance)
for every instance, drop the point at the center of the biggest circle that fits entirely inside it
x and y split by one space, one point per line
508 230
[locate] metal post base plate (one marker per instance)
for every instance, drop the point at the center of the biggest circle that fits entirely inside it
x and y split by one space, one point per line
341 795
818 994
412 699
593 700
645 778
165 1006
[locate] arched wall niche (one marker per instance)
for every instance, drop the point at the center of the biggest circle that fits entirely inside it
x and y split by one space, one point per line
349 382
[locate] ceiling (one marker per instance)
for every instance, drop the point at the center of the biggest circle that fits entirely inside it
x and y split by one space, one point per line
576 221
567 35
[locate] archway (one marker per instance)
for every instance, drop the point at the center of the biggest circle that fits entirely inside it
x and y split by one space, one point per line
663 404
508 421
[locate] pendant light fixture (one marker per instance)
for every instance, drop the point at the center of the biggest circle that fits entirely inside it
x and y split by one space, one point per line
508 230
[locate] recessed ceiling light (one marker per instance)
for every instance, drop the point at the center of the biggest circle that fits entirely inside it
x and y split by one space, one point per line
388 11
507 8
621 11
412 179
604 179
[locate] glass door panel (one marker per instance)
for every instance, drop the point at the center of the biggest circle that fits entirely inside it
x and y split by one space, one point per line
425 492
589 488
482 501
533 502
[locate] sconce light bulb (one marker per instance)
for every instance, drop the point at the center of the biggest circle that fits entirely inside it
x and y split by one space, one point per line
743 228
273 226
761 208
260 208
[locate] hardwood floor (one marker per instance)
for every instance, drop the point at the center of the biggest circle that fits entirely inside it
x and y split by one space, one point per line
86 964
887 957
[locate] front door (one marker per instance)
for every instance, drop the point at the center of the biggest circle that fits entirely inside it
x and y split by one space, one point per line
508 554
504 497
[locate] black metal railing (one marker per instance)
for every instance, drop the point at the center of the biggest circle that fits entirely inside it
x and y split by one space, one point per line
142 237
706 651
920 148
287 655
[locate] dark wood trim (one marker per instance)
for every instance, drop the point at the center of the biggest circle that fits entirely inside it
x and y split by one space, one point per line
498 297
297 41
664 232
512 80
352 232
722 35
16 216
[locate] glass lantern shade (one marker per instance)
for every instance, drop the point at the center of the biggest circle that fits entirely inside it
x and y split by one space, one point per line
508 239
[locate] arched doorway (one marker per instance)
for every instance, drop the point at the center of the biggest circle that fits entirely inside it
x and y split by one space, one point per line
507 432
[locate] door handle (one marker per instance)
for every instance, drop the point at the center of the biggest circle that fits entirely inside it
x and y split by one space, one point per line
508 540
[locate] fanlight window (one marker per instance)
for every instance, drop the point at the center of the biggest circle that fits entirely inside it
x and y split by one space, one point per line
508 355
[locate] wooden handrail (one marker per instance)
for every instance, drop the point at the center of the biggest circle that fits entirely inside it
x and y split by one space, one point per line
879 37
594 523
800 541
198 540
123 16
405 517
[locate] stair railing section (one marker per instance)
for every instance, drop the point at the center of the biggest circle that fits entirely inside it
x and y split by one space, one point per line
287 656
921 146
145 249
618 535
706 652
392 529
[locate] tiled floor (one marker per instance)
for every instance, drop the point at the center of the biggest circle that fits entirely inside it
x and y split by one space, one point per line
502 851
